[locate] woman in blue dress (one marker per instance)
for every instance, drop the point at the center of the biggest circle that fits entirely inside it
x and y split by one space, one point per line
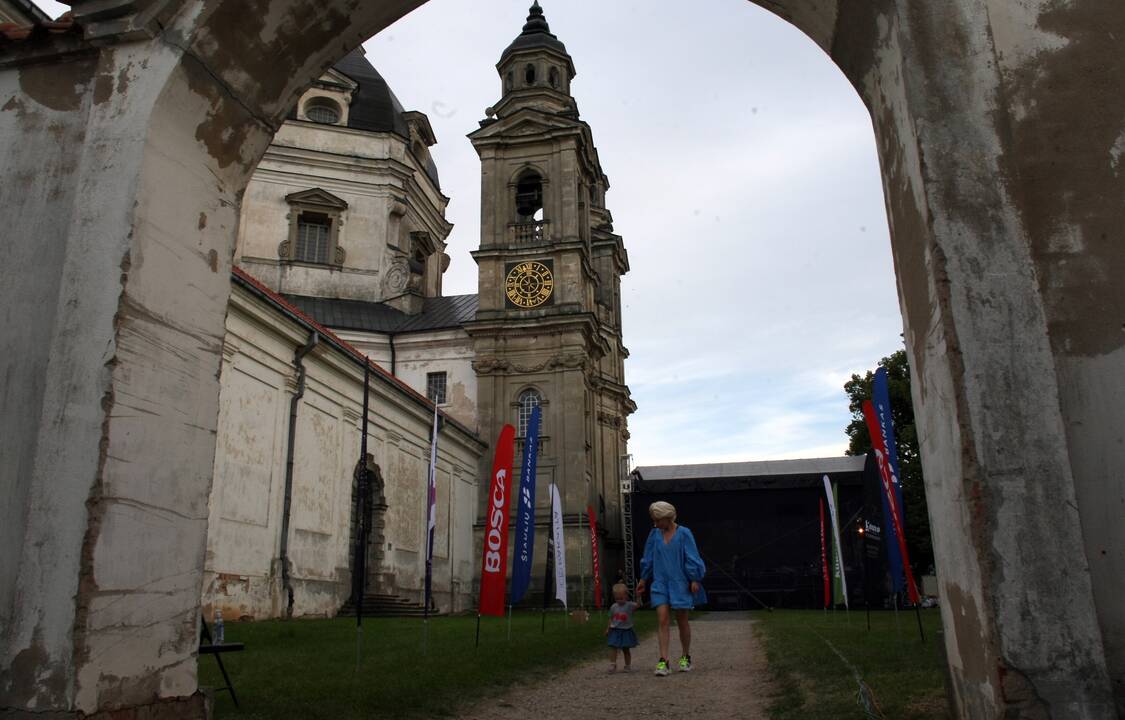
671 563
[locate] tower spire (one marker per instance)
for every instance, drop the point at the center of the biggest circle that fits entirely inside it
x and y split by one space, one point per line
536 21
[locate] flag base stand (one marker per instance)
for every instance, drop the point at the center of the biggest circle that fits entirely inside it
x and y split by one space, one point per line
478 631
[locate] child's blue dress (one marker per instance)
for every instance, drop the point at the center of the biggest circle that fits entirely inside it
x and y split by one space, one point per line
669 568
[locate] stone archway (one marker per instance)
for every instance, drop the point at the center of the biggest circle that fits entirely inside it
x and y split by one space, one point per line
128 140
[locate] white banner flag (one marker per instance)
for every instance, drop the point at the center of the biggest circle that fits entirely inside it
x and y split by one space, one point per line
560 544
836 535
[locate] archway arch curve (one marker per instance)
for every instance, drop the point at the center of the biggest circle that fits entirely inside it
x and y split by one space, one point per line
957 109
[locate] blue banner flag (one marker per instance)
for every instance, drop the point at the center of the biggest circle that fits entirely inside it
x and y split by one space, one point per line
525 516
881 400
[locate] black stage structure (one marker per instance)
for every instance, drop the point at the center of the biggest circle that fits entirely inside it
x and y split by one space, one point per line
758 528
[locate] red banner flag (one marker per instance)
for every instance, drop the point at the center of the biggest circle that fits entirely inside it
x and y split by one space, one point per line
494 565
594 556
824 558
887 476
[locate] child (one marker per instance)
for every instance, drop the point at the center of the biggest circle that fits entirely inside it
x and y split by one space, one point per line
620 630
672 563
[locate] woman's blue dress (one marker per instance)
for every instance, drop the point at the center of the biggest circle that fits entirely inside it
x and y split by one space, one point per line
669 568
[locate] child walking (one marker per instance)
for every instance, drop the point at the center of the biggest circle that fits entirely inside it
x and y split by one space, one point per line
620 630
672 564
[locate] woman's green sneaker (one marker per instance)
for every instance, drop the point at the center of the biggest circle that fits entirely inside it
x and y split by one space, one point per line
662 667
685 663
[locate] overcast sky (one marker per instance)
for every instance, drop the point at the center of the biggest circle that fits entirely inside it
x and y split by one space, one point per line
744 181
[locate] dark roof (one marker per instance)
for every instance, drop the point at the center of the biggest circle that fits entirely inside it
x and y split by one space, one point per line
764 474
246 280
536 34
440 313
374 106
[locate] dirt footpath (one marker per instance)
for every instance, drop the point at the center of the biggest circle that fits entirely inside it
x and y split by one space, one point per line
729 680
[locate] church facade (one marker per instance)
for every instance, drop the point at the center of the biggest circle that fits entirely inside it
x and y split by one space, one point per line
341 251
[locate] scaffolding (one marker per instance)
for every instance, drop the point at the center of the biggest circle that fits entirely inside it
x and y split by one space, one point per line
626 472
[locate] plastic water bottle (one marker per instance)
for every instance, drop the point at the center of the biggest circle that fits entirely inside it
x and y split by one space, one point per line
218 627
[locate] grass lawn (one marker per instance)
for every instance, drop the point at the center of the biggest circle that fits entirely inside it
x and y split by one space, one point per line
906 677
306 668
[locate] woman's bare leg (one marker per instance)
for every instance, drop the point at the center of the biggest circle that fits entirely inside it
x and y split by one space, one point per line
628 657
685 631
662 618
613 657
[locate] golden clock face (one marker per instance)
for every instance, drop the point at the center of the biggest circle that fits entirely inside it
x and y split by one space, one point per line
529 284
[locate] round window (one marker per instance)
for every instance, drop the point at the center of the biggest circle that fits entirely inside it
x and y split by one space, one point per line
322 110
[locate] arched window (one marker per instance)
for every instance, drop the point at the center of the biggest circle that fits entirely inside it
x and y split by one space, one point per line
553 77
529 400
529 74
529 197
509 82
322 110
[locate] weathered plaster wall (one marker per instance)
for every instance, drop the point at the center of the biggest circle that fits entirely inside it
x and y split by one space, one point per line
242 572
1063 70
48 107
102 614
146 173
449 351
388 196
999 472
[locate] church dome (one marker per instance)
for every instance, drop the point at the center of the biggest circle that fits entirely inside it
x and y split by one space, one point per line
374 106
536 34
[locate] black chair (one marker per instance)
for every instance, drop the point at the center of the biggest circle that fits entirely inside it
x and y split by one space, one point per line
207 647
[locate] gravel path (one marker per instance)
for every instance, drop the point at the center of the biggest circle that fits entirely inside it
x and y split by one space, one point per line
729 680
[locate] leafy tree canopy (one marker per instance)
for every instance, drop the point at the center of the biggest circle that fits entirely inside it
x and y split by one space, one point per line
918 541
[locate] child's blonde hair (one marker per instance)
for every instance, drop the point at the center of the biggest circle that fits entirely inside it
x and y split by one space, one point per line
622 587
660 509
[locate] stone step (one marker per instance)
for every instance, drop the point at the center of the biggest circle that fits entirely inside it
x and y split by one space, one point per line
383 605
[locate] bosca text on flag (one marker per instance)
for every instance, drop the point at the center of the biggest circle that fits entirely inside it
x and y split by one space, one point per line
494 566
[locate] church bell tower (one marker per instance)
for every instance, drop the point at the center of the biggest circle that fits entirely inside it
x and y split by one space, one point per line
548 330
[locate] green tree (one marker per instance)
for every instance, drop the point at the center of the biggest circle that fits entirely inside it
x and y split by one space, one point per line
918 541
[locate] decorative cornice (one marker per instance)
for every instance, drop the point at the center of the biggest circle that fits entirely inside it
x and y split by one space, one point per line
564 361
231 347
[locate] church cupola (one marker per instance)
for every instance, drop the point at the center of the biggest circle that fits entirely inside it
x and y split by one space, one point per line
535 70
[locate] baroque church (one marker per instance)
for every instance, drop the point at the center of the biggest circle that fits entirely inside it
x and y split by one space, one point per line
339 262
